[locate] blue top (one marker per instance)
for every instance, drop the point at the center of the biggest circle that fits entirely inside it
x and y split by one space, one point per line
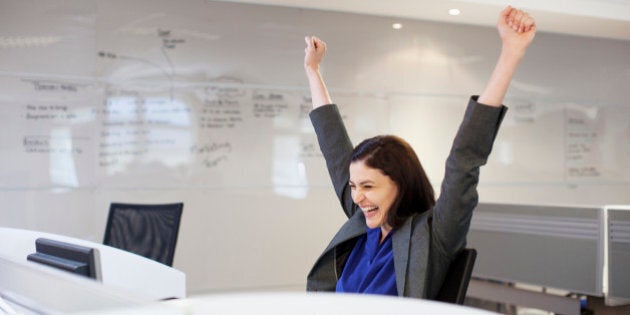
370 267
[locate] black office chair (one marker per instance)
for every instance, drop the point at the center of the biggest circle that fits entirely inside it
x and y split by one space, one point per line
455 284
147 230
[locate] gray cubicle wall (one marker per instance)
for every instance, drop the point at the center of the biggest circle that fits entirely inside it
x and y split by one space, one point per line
618 252
548 246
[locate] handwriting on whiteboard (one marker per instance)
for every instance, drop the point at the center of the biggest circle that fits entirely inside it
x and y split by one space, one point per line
581 154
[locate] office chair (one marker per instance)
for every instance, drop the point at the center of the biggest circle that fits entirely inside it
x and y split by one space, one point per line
455 283
147 230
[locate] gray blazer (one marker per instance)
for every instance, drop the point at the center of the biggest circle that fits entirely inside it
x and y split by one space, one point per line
427 242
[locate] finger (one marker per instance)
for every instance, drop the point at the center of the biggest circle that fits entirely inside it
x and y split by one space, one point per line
514 18
506 12
518 17
528 22
525 22
318 43
521 26
510 16
531 28
322 45
504 16
309 43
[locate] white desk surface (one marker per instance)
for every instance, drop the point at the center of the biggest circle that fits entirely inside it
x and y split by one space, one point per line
118 268
299 303
30 288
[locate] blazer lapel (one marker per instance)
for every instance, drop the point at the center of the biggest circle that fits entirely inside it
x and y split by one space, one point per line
354 227
400 246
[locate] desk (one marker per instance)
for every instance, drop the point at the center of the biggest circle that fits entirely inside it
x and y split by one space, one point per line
300 303
118 268
30 288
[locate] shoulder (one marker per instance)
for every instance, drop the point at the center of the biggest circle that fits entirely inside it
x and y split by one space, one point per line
421 221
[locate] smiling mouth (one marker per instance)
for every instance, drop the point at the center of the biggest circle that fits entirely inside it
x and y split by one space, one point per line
369 210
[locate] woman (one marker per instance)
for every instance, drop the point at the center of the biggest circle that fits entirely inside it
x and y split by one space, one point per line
398 240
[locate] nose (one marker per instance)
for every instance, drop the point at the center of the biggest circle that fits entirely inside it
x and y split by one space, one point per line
357 196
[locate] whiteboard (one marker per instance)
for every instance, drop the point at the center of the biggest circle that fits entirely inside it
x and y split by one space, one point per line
92 134
555 143
206 103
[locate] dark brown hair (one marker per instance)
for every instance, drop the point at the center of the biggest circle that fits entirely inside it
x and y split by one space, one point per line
395 158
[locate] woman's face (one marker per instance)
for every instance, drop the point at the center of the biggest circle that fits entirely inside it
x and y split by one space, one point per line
373 191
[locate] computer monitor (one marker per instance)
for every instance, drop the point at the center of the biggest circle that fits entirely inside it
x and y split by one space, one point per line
65 256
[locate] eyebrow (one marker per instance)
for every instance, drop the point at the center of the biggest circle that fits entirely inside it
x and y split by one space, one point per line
362 183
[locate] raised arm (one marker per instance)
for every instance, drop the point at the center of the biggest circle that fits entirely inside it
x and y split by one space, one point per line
517 30
313 55
473 143
331 133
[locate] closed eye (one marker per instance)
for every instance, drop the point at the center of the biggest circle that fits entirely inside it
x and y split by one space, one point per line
364 186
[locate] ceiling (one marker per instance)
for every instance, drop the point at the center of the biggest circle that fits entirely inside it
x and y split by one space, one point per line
595 18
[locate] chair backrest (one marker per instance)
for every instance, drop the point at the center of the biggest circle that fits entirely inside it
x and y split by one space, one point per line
147 230
455 283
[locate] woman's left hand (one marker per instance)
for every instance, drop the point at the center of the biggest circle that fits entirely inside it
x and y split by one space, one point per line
517 29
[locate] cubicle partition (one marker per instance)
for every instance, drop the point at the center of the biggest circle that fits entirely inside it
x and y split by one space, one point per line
549 246
618 254
578 250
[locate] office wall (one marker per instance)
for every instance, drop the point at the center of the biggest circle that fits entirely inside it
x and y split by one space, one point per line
206 102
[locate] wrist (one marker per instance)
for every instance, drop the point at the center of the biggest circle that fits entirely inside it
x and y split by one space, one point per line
313 74
512 51
512 55
311 69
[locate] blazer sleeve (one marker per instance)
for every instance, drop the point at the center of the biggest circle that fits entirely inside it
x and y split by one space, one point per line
336 147
458 196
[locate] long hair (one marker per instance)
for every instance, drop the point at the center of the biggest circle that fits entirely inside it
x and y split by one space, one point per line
395 158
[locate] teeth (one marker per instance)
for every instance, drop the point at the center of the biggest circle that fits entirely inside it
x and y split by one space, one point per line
370 209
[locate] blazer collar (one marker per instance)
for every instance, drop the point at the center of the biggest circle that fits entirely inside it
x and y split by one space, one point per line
354 227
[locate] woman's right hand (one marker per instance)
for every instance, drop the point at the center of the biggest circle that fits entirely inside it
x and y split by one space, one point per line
313 53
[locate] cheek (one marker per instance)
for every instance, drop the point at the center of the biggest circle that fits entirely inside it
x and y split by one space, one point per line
391 198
